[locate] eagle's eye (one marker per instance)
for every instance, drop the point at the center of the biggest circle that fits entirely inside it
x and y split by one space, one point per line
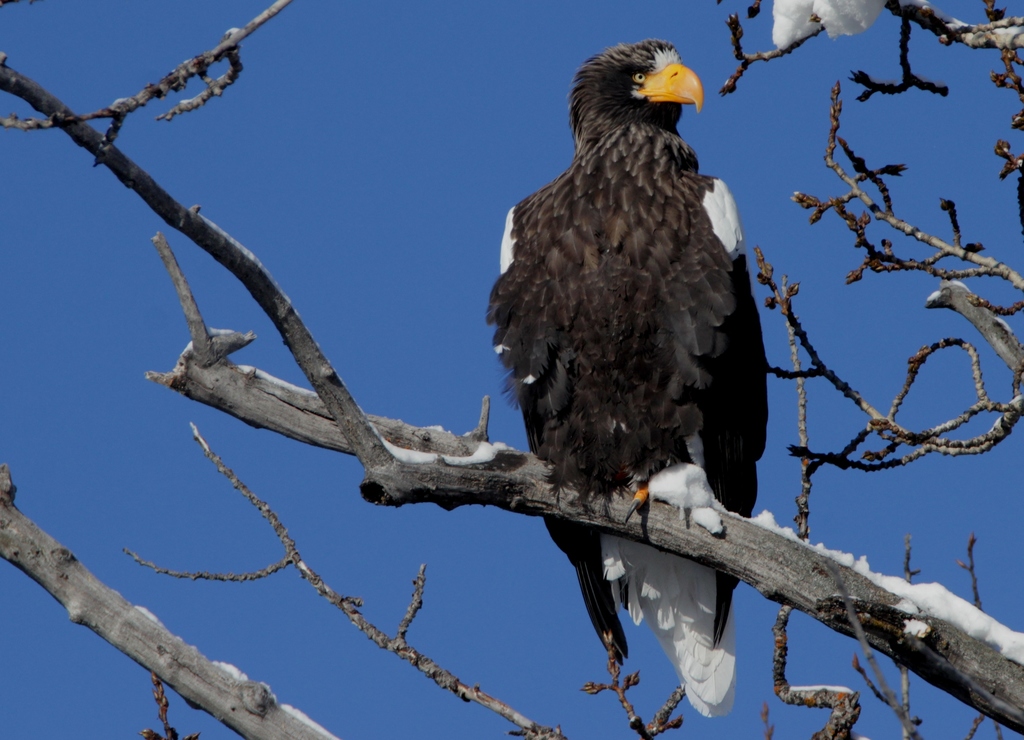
639 78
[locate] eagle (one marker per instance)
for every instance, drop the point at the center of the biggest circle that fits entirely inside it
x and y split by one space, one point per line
625 317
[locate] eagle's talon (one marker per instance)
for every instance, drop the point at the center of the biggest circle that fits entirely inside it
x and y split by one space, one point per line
639 499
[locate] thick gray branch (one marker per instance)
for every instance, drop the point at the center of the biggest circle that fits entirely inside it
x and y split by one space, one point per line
232 255
265 402
957 296
247 707
782 570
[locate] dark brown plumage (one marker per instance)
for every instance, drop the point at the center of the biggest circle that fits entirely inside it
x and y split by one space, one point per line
626 325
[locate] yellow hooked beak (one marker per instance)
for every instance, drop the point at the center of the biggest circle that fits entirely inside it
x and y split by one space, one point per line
674 84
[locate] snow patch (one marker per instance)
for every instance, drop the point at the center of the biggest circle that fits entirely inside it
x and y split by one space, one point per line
271 380
412 457
932 599
823 687
230 670
792 18
484 453
947 19
916 627
304 719
149 615
685 486
707 518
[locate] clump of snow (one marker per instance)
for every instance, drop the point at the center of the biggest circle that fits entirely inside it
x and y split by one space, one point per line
916 627
823 687
412 457
231 670
149 615
304 719
947 19
928 598
685 486
792 18
484 453
271 380
707 518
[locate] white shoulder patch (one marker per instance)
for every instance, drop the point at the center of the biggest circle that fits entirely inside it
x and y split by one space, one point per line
725 219
507 242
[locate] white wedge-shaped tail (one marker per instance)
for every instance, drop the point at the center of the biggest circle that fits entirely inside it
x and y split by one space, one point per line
677 599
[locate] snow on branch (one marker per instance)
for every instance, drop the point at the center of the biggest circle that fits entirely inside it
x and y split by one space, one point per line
885 427
774 560
796 21
247 707
844 702
952 293
350 607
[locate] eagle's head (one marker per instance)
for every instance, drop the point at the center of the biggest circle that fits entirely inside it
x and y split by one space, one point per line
631 83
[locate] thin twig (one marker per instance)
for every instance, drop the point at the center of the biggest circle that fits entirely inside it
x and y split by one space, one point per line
803 509
745 60
162 705
350 607
969 567
844 702
909 81
661 722
908 575
886 692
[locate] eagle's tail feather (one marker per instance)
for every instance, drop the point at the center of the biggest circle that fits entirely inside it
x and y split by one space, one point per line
677 597
583 547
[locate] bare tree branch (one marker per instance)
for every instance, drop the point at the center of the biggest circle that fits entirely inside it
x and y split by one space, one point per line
162 705
745 60
247 707
910 80
661 722
958 297
969 567
844 703
909 728
236 259
784 570
349 606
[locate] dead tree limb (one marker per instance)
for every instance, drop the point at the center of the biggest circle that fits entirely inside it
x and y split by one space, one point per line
247 707
783 569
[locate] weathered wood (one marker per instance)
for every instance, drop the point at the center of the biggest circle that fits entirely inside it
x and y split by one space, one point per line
247 707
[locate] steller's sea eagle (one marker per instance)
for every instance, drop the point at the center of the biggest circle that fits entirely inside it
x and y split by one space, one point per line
625 317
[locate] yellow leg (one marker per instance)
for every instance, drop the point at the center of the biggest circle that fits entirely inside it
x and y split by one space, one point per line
639 499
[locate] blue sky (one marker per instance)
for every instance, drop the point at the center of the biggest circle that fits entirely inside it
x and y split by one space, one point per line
368 156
